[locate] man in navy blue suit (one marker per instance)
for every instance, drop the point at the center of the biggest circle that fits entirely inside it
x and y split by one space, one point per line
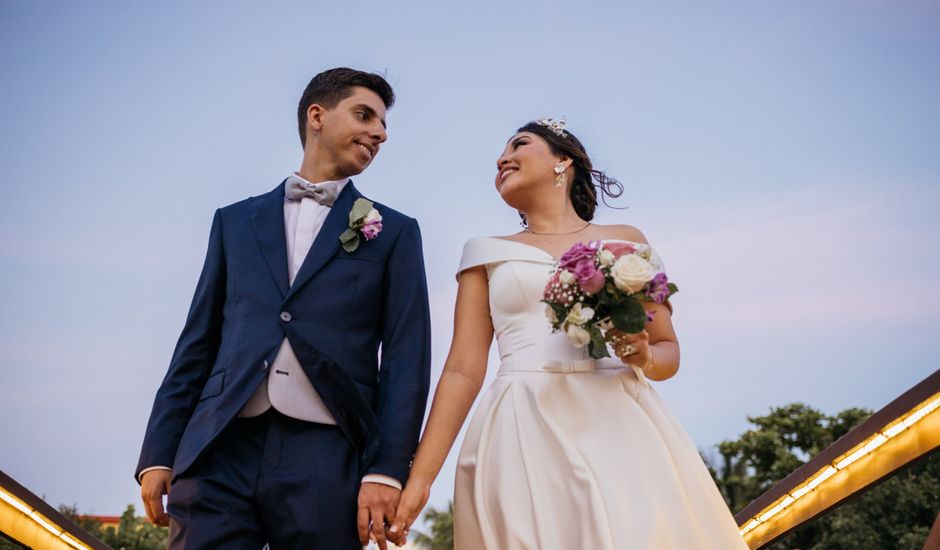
279 420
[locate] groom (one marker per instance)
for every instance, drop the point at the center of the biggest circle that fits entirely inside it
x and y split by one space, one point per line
277 422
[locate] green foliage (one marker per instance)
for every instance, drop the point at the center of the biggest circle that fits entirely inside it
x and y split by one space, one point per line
441 523
629 315
91 525
597 347
7 544
896 514
132 533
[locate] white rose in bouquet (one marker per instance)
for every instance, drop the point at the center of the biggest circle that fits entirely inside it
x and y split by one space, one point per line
631 273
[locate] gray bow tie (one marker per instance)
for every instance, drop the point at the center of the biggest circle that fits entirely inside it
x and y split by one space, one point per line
324 193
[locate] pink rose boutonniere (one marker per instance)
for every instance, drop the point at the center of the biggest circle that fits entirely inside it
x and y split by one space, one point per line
364 221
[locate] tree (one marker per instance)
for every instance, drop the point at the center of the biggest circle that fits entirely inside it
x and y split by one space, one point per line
441 523
898 513
132 533
92 525
9 544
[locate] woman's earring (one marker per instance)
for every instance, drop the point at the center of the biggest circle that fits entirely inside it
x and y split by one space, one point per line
560 179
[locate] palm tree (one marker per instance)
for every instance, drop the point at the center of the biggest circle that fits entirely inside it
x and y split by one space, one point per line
441 524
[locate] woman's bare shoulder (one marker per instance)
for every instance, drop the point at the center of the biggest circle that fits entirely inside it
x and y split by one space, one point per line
623 232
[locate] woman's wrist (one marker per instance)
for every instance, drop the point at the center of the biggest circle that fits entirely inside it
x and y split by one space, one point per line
421 479
650 361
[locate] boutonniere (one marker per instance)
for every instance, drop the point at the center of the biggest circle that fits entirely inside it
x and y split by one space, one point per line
364 221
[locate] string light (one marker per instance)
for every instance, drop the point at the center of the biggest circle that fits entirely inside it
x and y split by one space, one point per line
14 502
41 520
861 450
45 524
72 542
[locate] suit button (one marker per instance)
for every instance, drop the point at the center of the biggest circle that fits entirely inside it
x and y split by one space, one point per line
264 366
286 317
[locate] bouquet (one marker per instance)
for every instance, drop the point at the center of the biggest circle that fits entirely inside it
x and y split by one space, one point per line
599 286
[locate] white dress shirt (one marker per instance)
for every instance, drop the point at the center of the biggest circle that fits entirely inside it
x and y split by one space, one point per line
287 388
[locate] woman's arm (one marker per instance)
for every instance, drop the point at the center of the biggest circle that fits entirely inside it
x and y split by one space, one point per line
663 360
657 348
459 385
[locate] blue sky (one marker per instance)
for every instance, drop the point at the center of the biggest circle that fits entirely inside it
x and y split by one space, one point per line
783 157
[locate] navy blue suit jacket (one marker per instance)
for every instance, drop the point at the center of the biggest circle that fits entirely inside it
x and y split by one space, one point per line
341 308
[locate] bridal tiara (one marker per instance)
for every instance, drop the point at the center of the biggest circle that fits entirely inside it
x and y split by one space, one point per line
556 126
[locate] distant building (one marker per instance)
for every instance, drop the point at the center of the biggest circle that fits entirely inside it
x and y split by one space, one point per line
105 521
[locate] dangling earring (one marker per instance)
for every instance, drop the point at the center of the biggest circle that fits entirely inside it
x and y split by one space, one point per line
560 179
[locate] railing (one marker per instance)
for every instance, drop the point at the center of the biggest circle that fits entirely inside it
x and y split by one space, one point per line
29 520
905 430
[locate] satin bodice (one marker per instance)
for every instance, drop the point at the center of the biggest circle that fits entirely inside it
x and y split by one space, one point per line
517 275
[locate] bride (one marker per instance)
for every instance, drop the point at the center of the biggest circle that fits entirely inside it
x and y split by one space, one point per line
564 451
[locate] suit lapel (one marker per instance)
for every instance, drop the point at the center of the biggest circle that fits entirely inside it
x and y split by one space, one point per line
267 222
327 242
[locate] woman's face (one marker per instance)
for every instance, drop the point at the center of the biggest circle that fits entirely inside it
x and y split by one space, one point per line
526 166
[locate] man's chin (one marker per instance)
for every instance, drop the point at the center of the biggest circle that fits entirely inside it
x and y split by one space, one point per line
354 169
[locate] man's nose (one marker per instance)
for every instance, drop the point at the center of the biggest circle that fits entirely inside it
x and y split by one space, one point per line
379 134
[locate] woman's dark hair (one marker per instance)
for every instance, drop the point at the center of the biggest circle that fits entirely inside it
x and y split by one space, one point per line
587 180
334 85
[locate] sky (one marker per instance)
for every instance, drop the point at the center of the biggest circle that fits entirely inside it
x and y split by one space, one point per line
783 157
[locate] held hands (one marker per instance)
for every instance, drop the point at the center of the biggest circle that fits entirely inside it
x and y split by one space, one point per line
632 349
413 499
153 485
377 503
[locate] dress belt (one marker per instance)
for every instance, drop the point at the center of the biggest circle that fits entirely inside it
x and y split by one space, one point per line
568 366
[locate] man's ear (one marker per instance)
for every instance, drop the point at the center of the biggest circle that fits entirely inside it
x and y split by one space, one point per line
315 115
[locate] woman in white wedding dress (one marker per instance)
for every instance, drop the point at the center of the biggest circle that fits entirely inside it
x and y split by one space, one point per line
563 451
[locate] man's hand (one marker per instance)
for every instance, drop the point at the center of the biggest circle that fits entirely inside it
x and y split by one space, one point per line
153 485
377 505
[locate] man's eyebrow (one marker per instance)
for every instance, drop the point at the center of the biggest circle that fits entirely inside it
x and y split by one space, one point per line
371 112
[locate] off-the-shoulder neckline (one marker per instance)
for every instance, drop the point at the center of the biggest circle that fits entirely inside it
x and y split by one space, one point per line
550 255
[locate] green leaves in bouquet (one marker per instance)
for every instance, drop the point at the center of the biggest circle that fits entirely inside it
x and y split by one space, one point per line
597 347
672 289
629 316
560 314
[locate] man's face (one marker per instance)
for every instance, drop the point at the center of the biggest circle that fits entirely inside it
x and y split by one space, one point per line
349 134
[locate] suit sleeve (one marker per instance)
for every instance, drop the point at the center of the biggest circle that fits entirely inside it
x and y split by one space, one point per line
192 359
405 370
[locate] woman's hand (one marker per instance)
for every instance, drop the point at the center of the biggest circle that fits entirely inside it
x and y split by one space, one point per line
632 349
413 499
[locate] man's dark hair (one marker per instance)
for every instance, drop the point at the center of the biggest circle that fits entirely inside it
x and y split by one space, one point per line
334 85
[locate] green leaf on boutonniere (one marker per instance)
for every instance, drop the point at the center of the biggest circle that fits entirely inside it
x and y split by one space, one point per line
629 316
598 346
350 240
359 212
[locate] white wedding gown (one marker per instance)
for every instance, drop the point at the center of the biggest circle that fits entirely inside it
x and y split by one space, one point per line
565 452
